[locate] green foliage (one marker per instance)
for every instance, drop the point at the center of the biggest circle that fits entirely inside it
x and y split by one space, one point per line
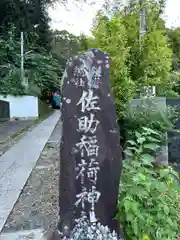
150 59
28 16
149 114
42 69
148 206
156 59
173 90
174 40
175 79
10 66
44 110
85 42
110 36
134 63
65 44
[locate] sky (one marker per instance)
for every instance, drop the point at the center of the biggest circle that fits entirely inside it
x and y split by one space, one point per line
78 19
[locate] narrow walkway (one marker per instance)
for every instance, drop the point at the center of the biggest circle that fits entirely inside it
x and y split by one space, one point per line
17 163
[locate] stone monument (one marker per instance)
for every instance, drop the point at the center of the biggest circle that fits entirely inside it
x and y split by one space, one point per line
90 155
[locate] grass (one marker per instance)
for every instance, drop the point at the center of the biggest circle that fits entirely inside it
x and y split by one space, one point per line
45 110
21 131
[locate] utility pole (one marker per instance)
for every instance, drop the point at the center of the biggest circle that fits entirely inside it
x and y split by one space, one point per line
148 89
142 21
23 78
22 59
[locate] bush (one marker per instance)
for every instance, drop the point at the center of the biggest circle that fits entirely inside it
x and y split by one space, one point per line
147 114
44 109
149 200
42 69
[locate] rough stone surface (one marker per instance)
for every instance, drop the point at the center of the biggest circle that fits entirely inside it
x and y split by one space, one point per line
37 206
17 163
90 152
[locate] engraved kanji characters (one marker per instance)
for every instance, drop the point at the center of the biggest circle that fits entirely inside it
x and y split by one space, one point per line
91 197
92 173
88 101
88 124
79 75
89 143
81 168
82 198
88 146
92 170
97 72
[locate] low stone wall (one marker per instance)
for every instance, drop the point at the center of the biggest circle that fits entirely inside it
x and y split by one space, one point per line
22 107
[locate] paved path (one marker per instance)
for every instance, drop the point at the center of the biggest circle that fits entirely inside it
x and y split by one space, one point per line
17 163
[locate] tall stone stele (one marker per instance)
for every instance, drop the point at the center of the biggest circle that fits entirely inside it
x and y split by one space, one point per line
90 152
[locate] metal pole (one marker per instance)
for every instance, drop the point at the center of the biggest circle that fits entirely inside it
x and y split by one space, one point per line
142 21
152 89
142 32
22 58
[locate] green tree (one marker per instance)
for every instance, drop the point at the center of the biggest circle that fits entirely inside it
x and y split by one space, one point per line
174 40
134 63
156 60
28 16
65 44
150 59
43 70
42 67
10 66
110 36
84 42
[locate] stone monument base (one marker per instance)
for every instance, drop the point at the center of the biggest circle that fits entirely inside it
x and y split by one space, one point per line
84 230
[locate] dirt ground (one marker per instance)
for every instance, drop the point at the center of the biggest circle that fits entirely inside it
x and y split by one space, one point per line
37 206
9 128
9 141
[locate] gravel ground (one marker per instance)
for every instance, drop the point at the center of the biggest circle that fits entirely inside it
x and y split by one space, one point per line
37 206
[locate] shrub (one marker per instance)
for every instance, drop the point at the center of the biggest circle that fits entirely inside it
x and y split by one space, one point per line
147 114
149 200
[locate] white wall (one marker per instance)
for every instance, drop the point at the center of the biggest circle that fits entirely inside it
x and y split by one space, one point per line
22 106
